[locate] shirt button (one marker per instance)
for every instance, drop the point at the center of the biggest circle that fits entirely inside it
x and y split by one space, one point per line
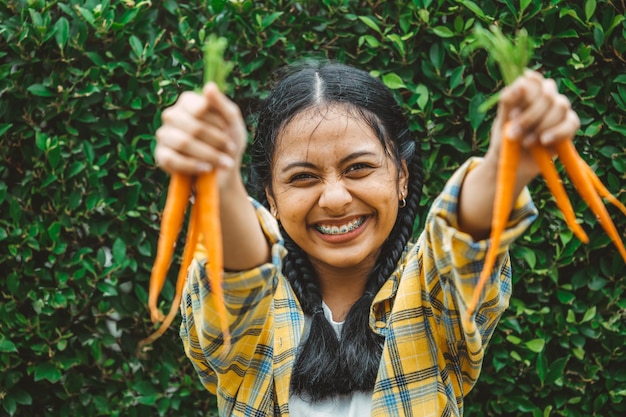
380 324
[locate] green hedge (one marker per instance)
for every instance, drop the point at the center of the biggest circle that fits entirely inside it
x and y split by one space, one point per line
82 85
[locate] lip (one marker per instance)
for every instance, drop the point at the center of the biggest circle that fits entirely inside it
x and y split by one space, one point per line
343 237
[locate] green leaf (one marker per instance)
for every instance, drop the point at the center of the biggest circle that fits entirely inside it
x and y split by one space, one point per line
10 406
268 20
474 8
369 22
62 32
542 367
145 388
589 314
443 32
590 9
136 46
40 90
370 40
422 96
398 43
619 164
565 297
527 254
86 14
456 143
620 79
75 168
476 116
96 58
108 289
536 345
7 346
54 230
555 370
4 128
119 251
614 125
46 370
21 397
456 77
393 81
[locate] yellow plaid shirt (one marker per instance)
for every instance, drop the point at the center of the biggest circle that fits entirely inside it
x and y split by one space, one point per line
429 361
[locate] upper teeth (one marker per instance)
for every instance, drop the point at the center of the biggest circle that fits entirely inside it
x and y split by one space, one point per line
344 228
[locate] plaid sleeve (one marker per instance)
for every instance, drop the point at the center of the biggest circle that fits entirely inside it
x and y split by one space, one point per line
452 262
248 296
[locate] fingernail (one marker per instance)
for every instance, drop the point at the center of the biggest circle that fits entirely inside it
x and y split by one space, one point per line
226 161
513 131
204 167
547 138
231 147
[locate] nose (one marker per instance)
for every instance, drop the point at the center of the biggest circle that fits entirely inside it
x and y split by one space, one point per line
335 197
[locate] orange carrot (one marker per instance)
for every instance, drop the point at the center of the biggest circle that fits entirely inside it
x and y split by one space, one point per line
204 221
508 161
553 181
209 214
172 219
579 175
601 189
191 240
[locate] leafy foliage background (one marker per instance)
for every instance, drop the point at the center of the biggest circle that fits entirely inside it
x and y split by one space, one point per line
82 85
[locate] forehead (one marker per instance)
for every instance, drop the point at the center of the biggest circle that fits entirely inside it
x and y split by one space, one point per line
323 131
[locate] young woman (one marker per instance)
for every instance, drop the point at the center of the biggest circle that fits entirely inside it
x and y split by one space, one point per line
332 309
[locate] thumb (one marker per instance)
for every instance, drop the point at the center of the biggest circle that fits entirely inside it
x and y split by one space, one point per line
508 109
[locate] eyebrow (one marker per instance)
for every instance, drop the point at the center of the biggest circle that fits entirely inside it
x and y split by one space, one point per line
347 158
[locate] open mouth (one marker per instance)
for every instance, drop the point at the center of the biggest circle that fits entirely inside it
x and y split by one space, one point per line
340 229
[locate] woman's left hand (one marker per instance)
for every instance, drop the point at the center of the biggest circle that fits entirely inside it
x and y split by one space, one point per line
536 114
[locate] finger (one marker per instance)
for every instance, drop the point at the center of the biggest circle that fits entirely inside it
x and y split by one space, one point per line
542 100
187 146
176 163
565 130
554 115
221 104
193 103
527 88
516 98
202 131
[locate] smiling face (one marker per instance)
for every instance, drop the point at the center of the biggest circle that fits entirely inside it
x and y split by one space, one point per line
335 188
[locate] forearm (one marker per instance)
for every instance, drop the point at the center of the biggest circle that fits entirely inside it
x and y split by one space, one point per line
475 207
245 246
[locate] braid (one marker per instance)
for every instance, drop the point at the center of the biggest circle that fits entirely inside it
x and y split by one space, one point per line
317 363
297 264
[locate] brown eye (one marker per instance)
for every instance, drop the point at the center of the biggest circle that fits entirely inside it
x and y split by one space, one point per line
301 178
359 168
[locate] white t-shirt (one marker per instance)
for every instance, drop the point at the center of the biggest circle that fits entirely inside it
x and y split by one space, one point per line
355 404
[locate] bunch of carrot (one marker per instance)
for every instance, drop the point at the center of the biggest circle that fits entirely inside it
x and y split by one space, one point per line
204 221
512 58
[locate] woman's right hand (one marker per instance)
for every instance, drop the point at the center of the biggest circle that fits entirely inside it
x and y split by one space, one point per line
200 132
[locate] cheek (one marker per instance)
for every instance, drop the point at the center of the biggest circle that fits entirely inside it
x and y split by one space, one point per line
384 193
293 205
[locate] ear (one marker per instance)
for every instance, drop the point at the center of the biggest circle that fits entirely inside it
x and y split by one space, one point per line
403 177
272 202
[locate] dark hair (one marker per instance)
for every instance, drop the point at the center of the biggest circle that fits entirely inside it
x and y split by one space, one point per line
324 365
